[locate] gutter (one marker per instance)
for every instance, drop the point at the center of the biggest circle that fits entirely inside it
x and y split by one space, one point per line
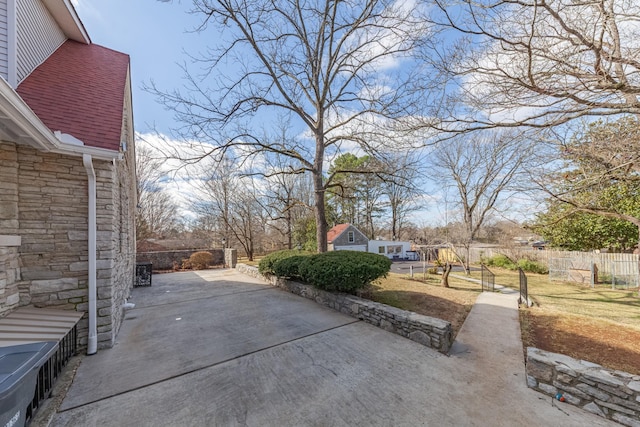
92 344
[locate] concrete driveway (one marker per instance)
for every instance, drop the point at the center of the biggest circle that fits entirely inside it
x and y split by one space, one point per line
217 348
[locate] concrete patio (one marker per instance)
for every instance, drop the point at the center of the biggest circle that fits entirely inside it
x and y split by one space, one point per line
219 348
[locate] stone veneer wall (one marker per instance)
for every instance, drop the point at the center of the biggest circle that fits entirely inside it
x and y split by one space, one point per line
163 260
43 199
611 394
428 331
9 273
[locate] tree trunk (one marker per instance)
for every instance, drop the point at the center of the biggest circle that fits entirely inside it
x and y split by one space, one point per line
467 262
445 275
318 188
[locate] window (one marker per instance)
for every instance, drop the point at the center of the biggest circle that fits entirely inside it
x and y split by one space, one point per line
351 236
381 249
394 249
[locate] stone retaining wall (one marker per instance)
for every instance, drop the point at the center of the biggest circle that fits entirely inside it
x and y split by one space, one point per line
611 394
428 331
163 260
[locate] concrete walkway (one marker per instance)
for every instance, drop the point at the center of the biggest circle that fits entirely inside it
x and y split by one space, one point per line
217 348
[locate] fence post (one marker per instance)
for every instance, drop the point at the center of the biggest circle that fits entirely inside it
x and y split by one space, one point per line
411 271
593 274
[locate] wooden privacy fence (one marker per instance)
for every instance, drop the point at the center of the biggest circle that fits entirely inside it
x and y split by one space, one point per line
606 263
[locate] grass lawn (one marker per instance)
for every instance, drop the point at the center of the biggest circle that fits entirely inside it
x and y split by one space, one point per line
599 324
428 298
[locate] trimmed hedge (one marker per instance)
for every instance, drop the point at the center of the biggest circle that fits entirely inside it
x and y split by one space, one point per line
343 271
266 264
289 267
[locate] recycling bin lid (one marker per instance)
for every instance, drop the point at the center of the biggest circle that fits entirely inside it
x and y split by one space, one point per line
18 360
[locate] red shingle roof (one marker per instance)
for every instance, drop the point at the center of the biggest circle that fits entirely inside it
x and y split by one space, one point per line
79 90
336 231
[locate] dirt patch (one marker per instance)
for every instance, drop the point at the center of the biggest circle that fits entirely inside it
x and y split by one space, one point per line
427 298
609 344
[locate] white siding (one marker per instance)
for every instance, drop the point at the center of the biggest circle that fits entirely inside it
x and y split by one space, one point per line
4 41
375 245
38 35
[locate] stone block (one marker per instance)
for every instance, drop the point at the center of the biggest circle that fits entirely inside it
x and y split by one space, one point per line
531 382
420 337
79 266
564 378
571 399
602 377
76 293
621 391
634 385
594 409
549 389
615 407
566 370
626 421
594 392
539 370
56 285
13 299
8 210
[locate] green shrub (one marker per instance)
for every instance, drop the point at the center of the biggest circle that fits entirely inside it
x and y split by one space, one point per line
525 264
432 270
344 271
533 266
266 264
200 260
288 267
500 261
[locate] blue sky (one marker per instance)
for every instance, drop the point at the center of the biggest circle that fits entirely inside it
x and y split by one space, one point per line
154 34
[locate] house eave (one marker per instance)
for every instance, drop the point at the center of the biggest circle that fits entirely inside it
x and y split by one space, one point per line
19 124
66 16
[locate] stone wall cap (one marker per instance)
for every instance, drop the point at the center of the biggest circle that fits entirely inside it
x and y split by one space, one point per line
8 240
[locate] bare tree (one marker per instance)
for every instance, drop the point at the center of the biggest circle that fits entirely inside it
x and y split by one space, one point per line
331 66
157 213
232 205
400 189
482 169
288 199
540 63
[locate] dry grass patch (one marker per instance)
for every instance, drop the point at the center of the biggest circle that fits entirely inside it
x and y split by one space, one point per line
599 324
427 297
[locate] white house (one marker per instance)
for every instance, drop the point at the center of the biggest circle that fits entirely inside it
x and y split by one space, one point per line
347 237
391 249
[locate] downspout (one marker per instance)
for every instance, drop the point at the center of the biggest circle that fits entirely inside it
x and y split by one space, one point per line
92 344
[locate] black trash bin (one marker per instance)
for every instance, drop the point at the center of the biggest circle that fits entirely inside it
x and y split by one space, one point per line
143 274
19 365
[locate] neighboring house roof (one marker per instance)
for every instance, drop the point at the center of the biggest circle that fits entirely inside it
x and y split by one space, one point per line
336 231
79 90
